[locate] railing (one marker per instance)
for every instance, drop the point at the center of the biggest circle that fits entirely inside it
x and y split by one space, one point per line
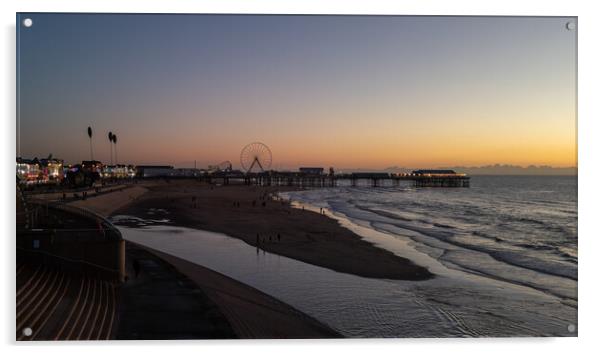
100 251
89 214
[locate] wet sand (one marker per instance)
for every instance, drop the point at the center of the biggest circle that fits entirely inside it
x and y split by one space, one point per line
247 212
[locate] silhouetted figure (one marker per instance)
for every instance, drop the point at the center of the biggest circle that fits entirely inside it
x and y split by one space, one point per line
257 239
270 238
136 266
278 237
263 204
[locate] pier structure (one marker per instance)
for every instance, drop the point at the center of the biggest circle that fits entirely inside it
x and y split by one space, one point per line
356 179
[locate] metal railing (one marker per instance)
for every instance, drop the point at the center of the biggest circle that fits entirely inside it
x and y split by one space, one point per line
82 254
79 211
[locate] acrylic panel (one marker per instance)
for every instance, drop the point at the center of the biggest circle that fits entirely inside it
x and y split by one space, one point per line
185 176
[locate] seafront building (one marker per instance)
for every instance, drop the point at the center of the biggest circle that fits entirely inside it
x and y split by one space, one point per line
52 171
45 171
312 170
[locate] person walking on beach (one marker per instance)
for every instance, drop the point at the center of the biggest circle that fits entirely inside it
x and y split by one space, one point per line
136 266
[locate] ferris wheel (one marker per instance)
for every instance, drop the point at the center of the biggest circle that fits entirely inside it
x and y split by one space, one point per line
256 156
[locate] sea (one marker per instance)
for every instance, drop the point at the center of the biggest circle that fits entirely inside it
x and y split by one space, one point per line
513 228
504 255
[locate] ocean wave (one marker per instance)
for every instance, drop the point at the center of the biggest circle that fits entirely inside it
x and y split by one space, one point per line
500 222
384 213
513 257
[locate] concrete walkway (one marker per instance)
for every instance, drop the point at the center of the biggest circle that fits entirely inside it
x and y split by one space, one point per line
161 303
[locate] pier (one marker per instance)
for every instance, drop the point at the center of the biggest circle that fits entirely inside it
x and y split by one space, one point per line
357 179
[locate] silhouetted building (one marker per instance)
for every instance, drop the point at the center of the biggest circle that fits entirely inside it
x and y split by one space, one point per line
312 170
92 166
149 171
186 172
436 173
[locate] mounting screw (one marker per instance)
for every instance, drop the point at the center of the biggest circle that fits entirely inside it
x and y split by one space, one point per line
571 328
570 25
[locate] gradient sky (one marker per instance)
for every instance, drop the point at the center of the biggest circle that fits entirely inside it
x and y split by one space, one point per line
343 91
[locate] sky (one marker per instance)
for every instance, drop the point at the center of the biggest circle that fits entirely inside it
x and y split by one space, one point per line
342 91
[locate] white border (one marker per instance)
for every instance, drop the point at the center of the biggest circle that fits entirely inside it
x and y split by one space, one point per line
589 167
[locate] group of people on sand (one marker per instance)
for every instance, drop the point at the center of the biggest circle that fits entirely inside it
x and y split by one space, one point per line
263 239
262 197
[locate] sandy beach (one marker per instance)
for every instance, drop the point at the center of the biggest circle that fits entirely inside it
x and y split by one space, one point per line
246 212
251 313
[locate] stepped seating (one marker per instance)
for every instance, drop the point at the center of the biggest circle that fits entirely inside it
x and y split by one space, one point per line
57 305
